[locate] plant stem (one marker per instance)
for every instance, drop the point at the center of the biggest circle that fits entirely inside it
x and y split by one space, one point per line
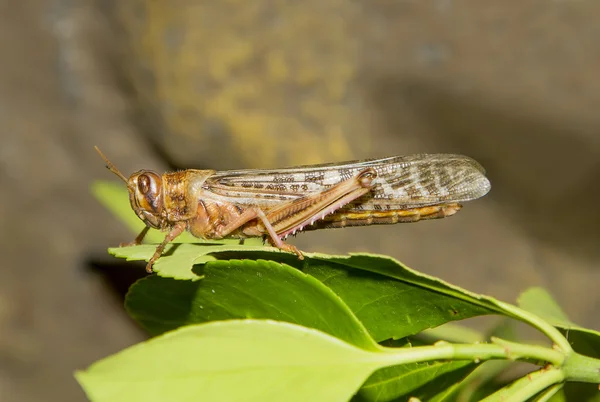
528 386
539 323
582 368
521 351
500 349
549 393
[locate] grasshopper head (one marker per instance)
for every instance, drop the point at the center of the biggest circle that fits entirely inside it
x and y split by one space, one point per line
145 194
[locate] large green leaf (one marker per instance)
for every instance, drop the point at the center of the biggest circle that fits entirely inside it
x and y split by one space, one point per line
390 299
245 289
262 289
420 380
246 360
388 266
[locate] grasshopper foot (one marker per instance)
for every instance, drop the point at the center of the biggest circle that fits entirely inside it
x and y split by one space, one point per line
291 249
129 244
149 266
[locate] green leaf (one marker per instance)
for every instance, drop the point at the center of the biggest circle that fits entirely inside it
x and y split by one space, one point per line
538 301
483 381
245 289
446 394
233 361
392 268
420 380
390 299
178 260
453 333
555 393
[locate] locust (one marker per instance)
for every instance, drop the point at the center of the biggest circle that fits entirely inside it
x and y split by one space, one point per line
277 203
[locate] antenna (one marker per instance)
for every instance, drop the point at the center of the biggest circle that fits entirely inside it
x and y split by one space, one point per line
110 166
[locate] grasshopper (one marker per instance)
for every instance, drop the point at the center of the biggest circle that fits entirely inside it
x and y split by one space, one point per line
281 202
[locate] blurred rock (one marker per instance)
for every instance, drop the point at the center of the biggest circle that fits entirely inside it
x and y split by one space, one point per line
233 84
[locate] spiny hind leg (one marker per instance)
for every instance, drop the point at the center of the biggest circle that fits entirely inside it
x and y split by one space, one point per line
305 211
256 213
274 238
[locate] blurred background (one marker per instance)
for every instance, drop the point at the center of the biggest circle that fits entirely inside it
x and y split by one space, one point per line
239 84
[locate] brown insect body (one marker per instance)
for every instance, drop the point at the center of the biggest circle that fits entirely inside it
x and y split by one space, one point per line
277 203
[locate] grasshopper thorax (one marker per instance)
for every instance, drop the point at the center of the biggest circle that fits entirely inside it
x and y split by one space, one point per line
146 197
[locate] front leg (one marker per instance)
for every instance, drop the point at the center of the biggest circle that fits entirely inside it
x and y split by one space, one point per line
175 231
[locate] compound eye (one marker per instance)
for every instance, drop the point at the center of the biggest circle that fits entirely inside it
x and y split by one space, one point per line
144 184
